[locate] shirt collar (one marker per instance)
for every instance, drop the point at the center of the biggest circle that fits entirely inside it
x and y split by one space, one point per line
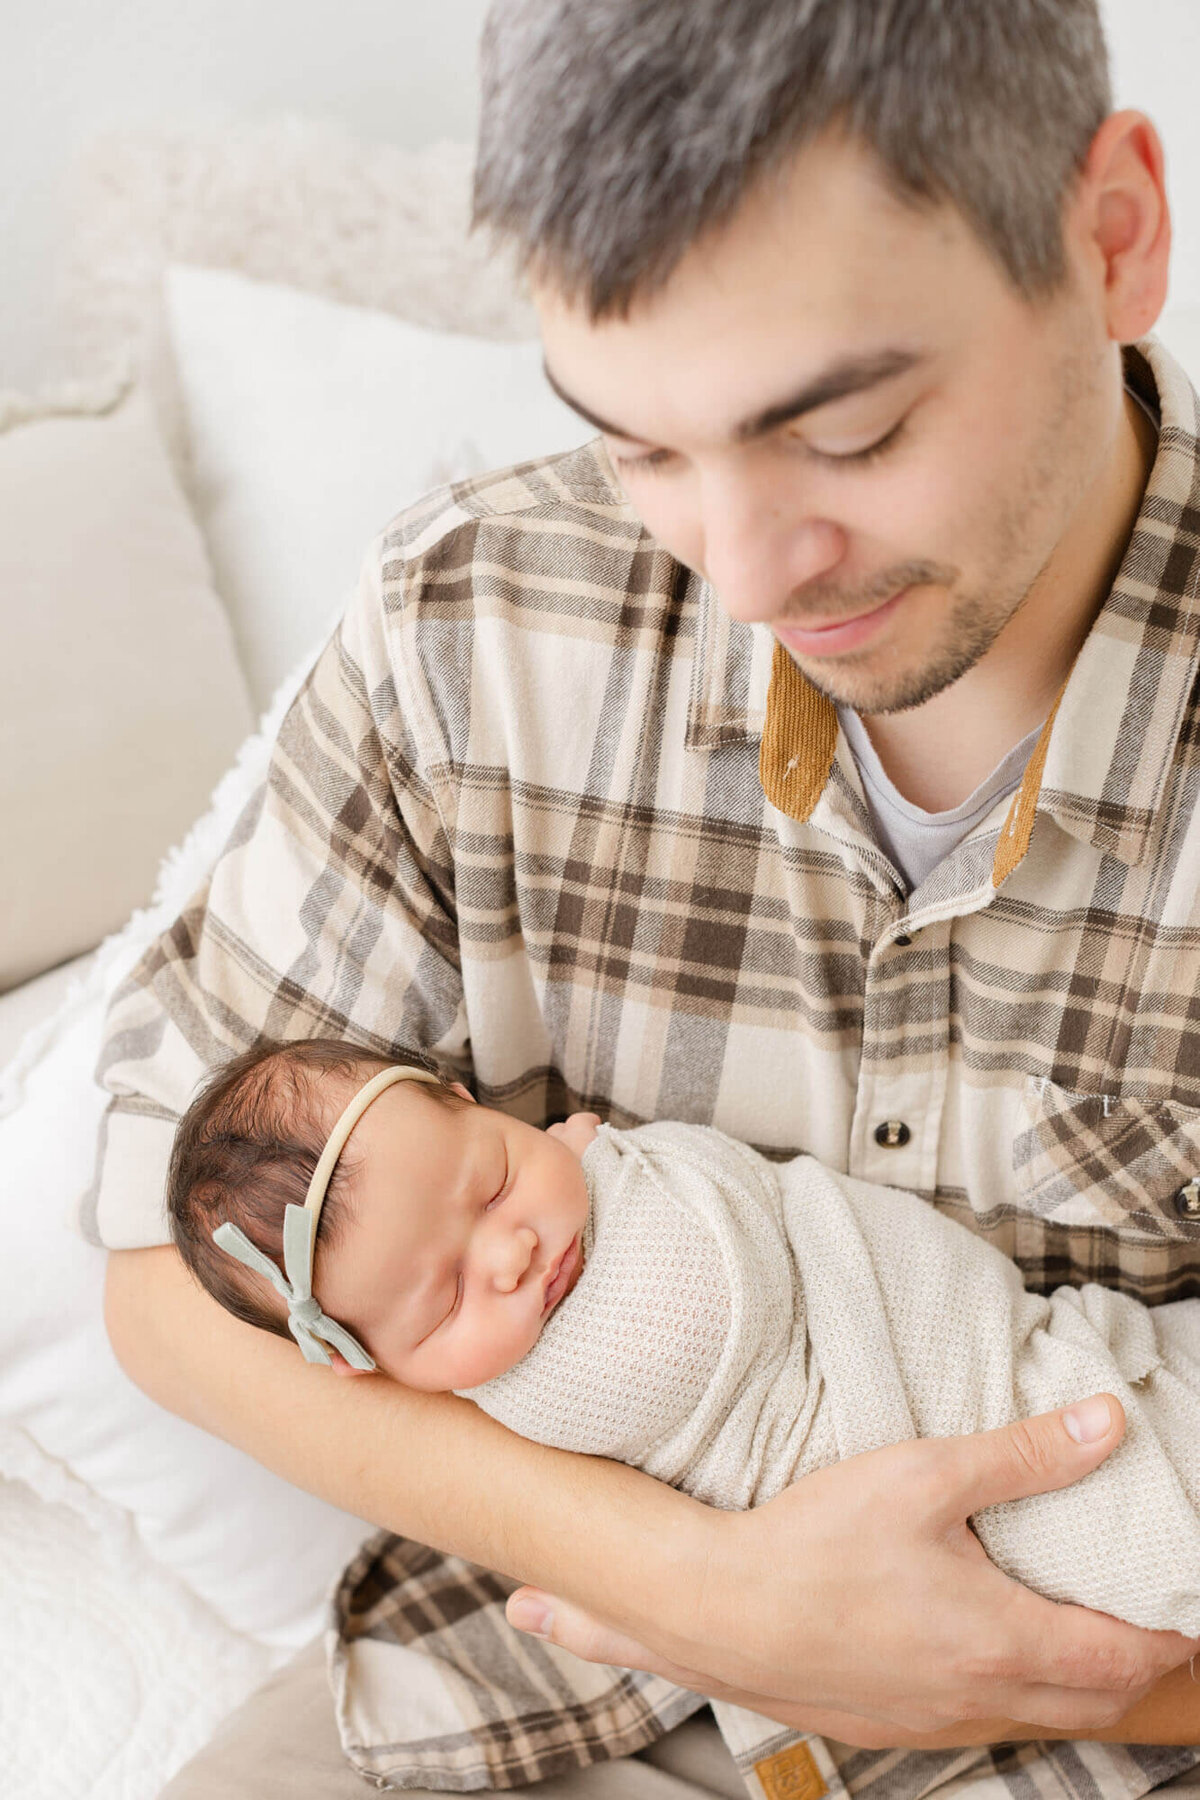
1106 753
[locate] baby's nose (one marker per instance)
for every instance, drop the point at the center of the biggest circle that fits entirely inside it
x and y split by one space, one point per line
513 1256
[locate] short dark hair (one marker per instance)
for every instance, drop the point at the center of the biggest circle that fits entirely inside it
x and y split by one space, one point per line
246 1149
614 133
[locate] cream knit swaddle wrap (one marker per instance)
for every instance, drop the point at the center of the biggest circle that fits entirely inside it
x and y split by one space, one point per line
739 1324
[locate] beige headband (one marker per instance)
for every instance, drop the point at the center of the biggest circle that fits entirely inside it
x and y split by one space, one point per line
308 1324
314 1200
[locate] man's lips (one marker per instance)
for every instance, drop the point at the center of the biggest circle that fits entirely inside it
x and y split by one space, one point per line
842 634
563 1273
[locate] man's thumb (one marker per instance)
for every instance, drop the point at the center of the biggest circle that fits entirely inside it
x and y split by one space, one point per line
1032 1456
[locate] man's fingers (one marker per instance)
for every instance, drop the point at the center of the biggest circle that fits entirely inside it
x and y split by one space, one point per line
1031 1456
1068 1667
1078 1648
544 1616
570 1629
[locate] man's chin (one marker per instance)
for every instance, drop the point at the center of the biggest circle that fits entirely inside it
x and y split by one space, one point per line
872 683
855 684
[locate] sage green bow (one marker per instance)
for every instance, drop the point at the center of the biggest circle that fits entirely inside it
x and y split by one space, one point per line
307 1322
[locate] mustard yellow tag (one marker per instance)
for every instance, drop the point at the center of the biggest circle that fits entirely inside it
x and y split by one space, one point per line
791 1775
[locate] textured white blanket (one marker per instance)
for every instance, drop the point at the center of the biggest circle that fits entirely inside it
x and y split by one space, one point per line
739 1324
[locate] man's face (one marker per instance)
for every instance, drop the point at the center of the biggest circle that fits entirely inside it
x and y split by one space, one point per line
840 412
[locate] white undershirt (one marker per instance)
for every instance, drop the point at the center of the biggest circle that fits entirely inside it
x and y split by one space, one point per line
915 840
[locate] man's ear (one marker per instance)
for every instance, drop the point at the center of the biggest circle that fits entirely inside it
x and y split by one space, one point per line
1122 213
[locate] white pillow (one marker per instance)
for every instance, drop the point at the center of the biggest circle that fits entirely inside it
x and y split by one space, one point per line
258 1550
121 699
309 424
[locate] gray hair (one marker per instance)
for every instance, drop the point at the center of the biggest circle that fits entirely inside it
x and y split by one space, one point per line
614 133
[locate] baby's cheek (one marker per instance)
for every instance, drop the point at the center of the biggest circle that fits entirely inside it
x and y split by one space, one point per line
485 1348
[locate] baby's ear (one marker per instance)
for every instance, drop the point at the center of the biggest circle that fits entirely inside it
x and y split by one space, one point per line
456 1087
341 1366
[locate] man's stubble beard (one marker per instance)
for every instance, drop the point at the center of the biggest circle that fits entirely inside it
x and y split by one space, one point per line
1025 537
972 628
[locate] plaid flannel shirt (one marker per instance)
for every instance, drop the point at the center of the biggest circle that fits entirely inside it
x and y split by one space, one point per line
543 810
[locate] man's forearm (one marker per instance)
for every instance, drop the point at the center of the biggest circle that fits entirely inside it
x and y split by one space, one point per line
428 1466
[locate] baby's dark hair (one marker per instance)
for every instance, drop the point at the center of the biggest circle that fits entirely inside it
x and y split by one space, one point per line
246 1148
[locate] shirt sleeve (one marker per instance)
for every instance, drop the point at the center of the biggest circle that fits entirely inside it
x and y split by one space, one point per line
329 913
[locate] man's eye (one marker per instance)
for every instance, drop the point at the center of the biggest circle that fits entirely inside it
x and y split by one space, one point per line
870 454
650 462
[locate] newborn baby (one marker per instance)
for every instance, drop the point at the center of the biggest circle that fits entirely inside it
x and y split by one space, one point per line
668 1297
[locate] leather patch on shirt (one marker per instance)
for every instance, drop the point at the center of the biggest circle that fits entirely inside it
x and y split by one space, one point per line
791 1775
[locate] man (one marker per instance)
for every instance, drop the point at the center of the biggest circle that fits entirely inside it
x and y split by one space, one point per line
844 285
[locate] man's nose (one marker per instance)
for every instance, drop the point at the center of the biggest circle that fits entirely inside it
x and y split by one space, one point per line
761 547
509 1254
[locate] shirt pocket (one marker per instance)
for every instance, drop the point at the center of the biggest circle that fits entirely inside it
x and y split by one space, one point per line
1096 1162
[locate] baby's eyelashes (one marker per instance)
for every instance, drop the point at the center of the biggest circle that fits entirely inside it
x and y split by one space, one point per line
454 1304
501 1191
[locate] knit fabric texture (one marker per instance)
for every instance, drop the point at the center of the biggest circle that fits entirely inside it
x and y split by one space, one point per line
739 1324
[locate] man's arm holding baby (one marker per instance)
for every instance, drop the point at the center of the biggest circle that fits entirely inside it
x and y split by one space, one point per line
777 1609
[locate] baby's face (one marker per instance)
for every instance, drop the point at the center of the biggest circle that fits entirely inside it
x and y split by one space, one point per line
462 1234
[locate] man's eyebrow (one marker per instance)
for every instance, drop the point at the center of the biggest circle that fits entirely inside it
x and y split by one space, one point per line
852 375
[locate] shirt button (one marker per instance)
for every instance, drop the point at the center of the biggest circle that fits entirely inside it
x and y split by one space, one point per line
893 1134
1187 1200
902 940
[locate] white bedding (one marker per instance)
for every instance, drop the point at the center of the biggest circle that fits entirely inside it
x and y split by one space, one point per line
21 1008
111 1674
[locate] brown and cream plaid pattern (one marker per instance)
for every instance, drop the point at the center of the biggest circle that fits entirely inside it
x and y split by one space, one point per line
543 810
419 1647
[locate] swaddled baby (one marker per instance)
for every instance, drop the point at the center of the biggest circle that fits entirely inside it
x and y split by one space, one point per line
670 1298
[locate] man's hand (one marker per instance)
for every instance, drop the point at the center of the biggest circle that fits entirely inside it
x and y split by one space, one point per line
860 1604
576 1132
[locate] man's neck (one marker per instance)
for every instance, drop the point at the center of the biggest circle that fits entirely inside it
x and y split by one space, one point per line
1010 690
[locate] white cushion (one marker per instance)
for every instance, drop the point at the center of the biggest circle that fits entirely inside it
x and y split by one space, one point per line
259 1551
310 423
121 699
34 1002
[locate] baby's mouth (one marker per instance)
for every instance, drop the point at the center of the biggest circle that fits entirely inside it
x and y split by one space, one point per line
562 1274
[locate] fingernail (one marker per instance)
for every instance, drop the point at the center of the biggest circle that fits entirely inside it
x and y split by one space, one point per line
531 1616
1088 1422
